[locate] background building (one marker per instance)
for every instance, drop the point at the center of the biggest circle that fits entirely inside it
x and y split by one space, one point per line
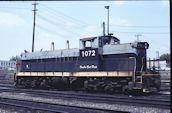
7 65
159 64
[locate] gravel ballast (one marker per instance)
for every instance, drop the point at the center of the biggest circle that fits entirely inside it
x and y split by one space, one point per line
84 103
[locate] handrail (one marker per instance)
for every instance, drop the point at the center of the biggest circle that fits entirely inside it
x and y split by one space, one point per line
134 71
142 65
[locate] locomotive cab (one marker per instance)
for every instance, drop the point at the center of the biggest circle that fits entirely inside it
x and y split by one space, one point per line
108 40
97 42
91 42
91 52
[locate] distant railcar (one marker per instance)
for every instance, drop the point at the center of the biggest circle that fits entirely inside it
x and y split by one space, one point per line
101 63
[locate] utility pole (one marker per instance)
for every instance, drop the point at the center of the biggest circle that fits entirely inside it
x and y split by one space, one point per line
67 44
157 55
52 46
137 35
157 58
107 7
34 25
103 28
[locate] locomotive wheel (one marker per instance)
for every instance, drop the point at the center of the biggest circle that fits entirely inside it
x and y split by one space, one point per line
91 88
27 84
43 84
56 82
33 84
125 88
86 85
101 86
108 89
64 83
123 82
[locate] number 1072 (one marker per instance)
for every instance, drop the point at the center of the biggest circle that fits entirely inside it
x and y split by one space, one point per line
88 53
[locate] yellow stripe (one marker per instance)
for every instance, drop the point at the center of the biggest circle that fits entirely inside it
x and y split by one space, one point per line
77 74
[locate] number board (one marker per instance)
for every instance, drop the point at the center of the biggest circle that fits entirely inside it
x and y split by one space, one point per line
89 52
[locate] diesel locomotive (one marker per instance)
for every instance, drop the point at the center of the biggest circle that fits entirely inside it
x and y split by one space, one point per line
100 64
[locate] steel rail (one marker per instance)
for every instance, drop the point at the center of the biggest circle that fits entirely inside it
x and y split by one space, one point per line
30 107
160 102
52 109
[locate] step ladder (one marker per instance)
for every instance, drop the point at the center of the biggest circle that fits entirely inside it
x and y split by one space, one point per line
138 81
137 76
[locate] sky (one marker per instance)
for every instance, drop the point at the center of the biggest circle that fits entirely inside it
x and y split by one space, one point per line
58 21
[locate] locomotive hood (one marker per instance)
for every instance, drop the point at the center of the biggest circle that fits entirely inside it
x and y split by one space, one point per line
50 54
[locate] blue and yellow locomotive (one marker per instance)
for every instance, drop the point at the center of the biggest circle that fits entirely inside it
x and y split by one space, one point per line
101 63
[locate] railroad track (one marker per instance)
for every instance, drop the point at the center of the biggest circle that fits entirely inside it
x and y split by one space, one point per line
53 107
147 101
165 81
24 105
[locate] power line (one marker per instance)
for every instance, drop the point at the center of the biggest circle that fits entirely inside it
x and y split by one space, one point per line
14 7
55 12
142 32
64 15
56 17
140 26
48 20
56 24
48 30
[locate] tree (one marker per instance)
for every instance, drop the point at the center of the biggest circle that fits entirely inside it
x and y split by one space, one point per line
165 56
